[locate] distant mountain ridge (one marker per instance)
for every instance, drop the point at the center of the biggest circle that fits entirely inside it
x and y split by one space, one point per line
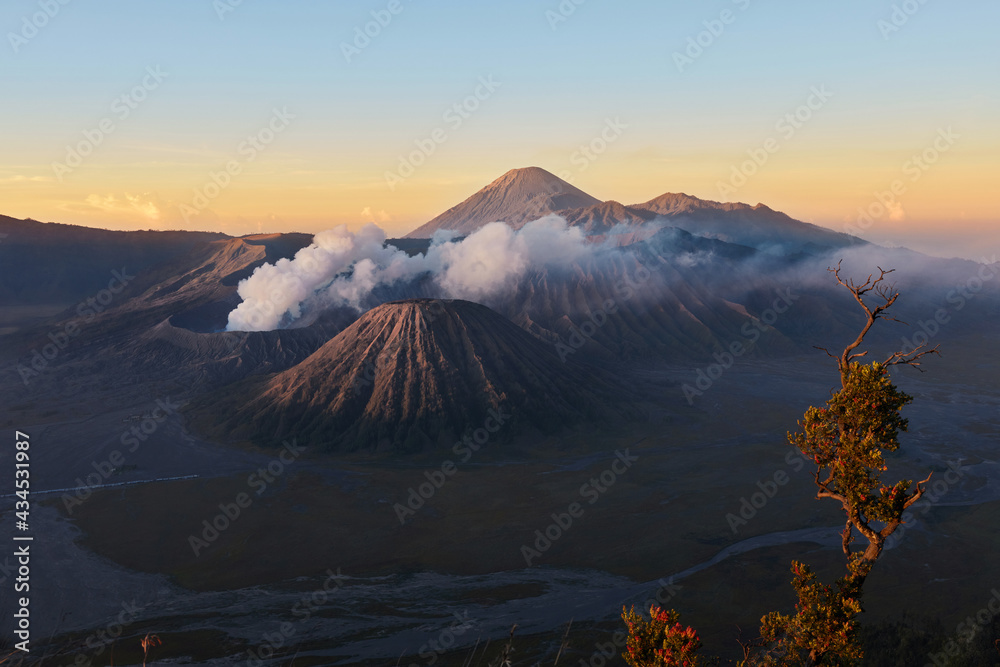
49 262
523 195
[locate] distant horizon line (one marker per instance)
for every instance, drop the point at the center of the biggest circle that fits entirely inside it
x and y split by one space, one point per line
982 260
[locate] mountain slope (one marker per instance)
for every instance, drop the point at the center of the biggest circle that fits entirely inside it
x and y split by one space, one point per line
517 197
602 218
523 195
170 351
48 262
411 374
755 226
167 321
655 300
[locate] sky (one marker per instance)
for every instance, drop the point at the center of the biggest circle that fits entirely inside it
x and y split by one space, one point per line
876 117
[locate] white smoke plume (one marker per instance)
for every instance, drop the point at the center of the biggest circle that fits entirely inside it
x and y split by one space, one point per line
341 267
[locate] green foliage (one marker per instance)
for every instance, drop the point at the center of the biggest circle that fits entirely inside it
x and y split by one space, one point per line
661 641
847 439
823 630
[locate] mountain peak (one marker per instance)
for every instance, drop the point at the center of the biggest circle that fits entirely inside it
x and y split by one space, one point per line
517 197
671 203
534 177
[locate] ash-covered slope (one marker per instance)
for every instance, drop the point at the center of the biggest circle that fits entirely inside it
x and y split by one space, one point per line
517 197
413 374
197 287
211 359
166 322
195 297
212 273
657 300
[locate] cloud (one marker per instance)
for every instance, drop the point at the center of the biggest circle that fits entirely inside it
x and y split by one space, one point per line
896 212
274 294
149 206
381 216
20 178
343 268
149 210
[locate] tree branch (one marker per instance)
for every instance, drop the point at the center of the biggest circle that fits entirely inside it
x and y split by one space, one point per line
862 525
888 295
918 494
911 358
848 537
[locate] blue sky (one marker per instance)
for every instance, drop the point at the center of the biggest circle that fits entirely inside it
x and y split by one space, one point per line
558 84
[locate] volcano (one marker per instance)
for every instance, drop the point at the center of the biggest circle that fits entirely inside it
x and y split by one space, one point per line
523 195
409 375
517 198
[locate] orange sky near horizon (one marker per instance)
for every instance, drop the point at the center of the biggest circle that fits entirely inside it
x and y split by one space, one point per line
953 201
812 109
